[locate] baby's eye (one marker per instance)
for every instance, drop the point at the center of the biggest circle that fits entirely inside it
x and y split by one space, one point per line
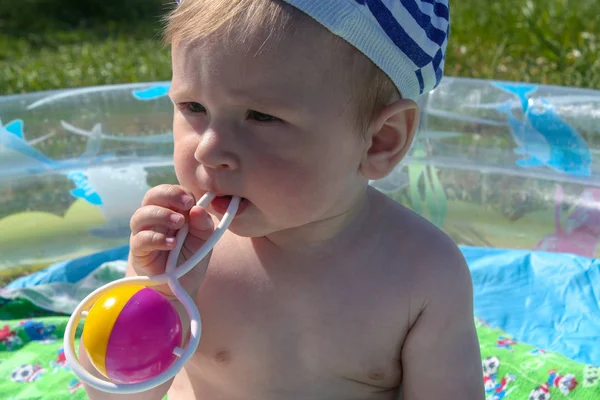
260 117
192 107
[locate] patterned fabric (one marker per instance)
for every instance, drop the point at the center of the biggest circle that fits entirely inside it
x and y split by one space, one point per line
515 370
32 360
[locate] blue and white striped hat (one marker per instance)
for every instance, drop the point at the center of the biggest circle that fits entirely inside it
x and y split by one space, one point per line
407 39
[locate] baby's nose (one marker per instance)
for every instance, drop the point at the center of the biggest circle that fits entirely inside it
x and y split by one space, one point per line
215 150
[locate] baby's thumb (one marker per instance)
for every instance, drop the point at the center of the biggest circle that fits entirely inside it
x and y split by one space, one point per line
201 225
200 228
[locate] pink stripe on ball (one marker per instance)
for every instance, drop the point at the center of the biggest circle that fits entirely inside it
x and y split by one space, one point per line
144 335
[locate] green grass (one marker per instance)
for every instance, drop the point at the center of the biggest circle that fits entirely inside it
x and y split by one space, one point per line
49 44
543 41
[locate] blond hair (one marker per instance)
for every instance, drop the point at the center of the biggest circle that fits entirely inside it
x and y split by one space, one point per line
196 20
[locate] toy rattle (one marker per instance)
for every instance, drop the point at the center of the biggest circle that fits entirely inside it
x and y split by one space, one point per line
132 334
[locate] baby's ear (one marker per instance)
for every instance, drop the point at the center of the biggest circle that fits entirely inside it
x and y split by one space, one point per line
390 135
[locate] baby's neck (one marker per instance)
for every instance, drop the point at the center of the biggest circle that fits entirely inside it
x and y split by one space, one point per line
331 235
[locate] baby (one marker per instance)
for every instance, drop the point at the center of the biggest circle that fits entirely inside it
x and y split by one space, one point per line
323 287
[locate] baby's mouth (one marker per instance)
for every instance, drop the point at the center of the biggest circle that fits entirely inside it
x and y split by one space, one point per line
221 203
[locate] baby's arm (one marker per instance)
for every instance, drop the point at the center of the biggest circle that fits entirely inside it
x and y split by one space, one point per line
441 357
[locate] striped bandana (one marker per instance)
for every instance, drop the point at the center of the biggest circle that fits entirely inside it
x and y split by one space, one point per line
407 39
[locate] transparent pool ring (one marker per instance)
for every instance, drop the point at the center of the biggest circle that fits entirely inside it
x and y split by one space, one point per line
494 164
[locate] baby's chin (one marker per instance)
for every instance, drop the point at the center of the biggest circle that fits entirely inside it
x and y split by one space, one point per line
247 230
252 222
253 225
244 224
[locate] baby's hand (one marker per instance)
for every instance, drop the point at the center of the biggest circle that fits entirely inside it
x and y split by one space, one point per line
164 210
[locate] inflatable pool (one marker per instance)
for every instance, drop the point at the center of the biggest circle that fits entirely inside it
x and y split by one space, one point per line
510 171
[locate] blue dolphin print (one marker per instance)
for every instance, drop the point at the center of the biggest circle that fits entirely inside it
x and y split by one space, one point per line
542 136
529 141
15 127
18 150
520 90
151 93
83 189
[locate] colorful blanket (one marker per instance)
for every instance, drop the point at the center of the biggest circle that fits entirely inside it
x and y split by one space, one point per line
32 361
33 366
518 371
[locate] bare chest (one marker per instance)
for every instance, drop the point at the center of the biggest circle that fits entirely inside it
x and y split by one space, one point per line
297 332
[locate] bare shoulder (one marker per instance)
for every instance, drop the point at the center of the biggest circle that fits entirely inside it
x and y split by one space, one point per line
428 254
441 344
423 257
438 266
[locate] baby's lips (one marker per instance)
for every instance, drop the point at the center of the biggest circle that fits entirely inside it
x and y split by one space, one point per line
220 204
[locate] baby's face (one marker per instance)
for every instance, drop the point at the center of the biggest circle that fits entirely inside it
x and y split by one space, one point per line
275 128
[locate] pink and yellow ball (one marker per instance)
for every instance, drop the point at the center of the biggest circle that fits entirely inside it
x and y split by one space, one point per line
130 334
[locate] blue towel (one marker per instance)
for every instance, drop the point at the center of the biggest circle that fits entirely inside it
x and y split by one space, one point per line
70 271
549 300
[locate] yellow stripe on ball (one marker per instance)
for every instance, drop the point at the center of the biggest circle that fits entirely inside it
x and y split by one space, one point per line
100 321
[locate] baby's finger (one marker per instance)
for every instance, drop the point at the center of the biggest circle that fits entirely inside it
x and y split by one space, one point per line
145 242
201 228
170 196
201 224
149 217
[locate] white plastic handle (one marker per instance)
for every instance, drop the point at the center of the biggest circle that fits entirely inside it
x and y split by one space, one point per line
172 273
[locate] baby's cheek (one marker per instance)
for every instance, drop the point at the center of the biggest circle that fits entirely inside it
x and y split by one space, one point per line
184 164
300 194
287 177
